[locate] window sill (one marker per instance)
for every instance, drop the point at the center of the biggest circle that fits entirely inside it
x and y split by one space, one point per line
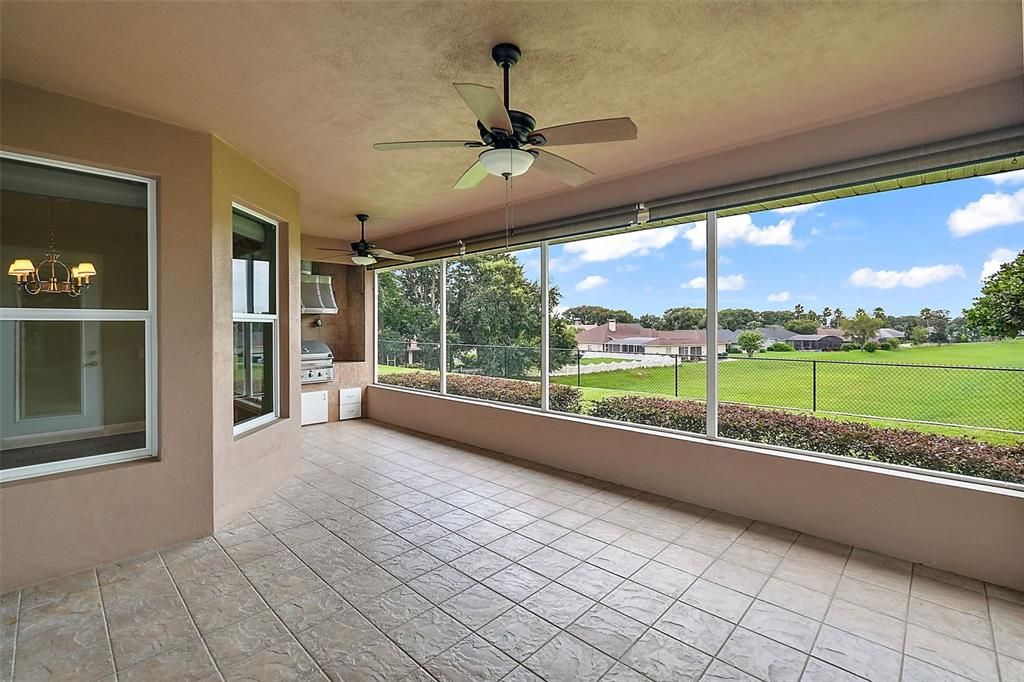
255 425
73 465
879 468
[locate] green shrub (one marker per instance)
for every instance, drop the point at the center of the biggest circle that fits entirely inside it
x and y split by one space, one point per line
780 347
846 439
514 391
890 344
870 346
847 346
734 350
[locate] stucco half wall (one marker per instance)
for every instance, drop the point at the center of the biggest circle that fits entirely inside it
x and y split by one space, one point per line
960 527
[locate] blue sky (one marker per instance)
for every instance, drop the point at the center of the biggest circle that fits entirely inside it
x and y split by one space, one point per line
902 250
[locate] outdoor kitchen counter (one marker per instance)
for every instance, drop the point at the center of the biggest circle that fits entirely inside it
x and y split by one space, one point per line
346 375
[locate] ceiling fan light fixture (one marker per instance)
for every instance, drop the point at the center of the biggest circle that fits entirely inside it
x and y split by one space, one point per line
502 162
364 260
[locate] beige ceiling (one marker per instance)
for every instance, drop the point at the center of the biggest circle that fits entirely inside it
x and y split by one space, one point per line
306 88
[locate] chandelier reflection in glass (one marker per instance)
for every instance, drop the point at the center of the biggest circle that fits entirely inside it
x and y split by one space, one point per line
52 276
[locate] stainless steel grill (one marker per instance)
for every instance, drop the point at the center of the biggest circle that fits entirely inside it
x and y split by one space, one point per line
317 364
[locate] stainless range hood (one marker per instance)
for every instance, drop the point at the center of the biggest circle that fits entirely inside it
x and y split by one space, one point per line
317 295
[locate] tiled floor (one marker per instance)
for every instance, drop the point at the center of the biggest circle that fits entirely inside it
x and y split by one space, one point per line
394 556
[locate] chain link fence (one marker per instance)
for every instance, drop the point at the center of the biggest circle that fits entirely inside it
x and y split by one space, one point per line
958 396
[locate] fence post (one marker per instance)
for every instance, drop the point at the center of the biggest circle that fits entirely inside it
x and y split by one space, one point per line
814 385
677 375
579 355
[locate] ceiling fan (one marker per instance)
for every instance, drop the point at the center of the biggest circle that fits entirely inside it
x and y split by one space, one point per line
505 132
365 253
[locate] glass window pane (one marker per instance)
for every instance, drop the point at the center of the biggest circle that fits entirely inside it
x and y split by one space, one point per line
852 334
253 370
253 265
71 389
84 219
409 319
628 337
494 325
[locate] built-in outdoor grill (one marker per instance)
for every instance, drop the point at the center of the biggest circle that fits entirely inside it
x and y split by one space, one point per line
317 366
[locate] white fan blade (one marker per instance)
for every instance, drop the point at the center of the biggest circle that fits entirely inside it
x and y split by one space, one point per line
587 132
563 169
384 253
485 103
473 176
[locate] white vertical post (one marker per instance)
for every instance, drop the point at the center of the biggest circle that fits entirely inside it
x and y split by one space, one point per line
545 331
711 328
442 346
376 324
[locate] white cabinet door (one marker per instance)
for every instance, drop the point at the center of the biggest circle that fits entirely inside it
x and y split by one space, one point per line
314 407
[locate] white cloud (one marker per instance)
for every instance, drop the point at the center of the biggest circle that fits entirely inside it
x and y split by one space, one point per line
802 208
1009 178
612 247
995 259
628 267
991 210
741 229
780 297
725 283
914 278
591 282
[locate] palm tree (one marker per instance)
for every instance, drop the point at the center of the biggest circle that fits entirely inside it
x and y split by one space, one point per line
860 311
826 314
926 315
798 310
879 313
837 317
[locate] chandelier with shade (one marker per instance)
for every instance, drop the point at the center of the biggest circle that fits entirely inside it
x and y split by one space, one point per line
52 276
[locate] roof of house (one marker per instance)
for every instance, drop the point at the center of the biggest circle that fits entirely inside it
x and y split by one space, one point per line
888 333
814 337
628 333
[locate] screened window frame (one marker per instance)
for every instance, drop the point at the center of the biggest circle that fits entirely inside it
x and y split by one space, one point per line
710 217
248 425
148 316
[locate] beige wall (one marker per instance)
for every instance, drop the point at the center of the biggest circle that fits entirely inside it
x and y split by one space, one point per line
57 524
250 466
958 527
54 525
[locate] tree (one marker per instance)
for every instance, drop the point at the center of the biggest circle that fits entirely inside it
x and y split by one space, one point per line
939 327
685 318
802 326
837 318
826 315
596 314
798 310
999 311
861 328
879 313
737 318
651 321
750 342
918 335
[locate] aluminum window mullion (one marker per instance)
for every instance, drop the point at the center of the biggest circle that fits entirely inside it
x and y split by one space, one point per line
545 330
442 345
711 327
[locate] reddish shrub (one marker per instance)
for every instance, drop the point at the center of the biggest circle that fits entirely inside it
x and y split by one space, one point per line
847 439
514 391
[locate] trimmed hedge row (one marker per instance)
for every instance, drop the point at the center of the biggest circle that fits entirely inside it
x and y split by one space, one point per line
514 391
848 439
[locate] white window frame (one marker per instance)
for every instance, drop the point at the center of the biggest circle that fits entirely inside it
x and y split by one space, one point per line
275 414
148 317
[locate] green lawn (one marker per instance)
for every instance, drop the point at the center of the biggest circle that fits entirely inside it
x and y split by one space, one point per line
603 361
859 384
849 382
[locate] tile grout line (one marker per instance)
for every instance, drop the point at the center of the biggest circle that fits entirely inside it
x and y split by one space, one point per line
992 629
17 632
265 602
106 624
191 619
821 623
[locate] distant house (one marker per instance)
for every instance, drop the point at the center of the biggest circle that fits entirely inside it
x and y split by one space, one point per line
884 334
624 337
769 335
832 341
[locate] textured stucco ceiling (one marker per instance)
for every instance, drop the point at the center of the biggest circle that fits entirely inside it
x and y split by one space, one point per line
306 88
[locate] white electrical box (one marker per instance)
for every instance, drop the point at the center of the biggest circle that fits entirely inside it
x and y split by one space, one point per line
314 407
350 403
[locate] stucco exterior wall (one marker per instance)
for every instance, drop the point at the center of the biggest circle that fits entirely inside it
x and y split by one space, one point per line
54 525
